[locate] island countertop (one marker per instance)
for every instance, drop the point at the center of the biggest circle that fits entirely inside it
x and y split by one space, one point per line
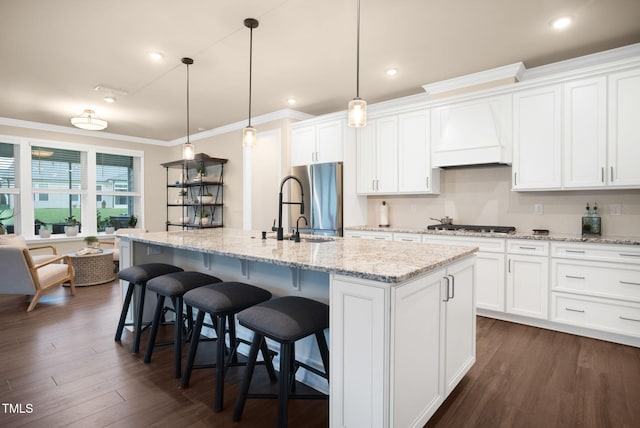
388 262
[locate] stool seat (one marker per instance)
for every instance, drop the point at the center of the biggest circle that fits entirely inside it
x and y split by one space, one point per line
138 275
222 301
286 319
174 286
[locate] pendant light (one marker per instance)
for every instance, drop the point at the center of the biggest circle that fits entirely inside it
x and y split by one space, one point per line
188 151
358 106
88 120
249 134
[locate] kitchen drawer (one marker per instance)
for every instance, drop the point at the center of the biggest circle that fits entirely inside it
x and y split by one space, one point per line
407 237
381 236
596 278
529 247
601 252
490 245
595 313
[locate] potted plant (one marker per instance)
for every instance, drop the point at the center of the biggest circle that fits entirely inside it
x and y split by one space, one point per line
181 197
203 218
133 221
43 230
108 226
201 174
4 216
205 198
73 226
92 242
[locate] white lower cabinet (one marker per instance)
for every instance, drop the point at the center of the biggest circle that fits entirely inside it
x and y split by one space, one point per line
402 348
528 278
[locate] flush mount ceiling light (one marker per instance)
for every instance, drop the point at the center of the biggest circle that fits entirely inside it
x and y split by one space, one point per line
249 134
156 56
88 120
188 151
357 110
562 22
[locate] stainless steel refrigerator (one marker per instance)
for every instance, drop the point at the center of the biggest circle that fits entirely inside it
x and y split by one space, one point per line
322 186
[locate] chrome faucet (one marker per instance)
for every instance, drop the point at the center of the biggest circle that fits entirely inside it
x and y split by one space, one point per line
279 232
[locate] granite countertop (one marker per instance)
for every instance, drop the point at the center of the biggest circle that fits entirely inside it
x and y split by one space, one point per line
388 262
605 239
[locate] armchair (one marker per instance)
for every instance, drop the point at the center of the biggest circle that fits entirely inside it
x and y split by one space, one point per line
21 275
19 241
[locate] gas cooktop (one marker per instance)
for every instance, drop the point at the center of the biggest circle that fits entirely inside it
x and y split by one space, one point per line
472 228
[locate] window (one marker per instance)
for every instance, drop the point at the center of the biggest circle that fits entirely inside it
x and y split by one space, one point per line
7 188
115 189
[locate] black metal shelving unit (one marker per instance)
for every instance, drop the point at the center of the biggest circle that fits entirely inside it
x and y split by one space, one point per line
194 206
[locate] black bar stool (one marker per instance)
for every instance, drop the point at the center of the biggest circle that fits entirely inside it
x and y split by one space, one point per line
284 320
174 286
222 301
139 275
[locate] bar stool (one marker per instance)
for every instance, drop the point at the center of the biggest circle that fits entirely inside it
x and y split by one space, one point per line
174 286
139 275
284 320
222 301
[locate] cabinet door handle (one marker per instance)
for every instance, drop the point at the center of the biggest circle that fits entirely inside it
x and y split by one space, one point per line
427 182
628 319
381 238
629 283
629 255
447 279
406 239
527 248
602 174
575 277
515 178
509 267
453 286
575 251
574 310
373 184
611 168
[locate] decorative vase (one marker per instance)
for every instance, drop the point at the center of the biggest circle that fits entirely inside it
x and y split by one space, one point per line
109 230
44 233
205 199
71 230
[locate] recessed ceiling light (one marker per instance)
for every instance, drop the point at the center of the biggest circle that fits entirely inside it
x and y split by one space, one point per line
391 72
561 23
156 56
291 101
110 99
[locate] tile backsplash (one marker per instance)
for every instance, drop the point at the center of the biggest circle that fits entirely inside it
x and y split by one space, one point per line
483 196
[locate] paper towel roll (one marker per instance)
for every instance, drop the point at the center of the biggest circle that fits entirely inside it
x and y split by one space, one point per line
384 215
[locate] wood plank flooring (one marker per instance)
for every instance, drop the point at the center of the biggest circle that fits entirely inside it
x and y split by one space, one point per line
61 360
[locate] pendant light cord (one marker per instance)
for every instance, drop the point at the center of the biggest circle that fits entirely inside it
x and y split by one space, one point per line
188 103
250 68
358 51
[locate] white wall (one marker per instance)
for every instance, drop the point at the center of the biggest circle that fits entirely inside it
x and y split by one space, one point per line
483 196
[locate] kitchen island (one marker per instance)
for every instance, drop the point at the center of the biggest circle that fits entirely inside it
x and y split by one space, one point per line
402 315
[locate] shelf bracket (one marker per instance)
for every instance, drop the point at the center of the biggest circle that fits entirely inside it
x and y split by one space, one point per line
244 266
295 278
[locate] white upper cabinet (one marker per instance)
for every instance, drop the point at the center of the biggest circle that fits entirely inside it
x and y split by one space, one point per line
414 155
316 143
585 133
537 139
472 132
624 129
377 156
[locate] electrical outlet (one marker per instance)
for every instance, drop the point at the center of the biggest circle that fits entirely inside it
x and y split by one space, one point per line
615 209
538 209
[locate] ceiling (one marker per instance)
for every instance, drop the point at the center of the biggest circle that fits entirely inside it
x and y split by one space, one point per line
54 53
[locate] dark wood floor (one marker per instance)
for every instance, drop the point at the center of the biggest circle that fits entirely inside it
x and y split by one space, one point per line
61 361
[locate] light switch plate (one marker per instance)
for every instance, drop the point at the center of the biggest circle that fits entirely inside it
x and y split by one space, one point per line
538 209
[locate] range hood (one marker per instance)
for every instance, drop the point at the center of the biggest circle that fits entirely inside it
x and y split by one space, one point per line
472 133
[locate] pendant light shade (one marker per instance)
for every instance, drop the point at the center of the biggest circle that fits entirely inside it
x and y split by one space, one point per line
188 151
88 120
249 133
357 107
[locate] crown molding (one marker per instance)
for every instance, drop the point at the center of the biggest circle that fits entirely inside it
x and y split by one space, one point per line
236 126
17 123
514 71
